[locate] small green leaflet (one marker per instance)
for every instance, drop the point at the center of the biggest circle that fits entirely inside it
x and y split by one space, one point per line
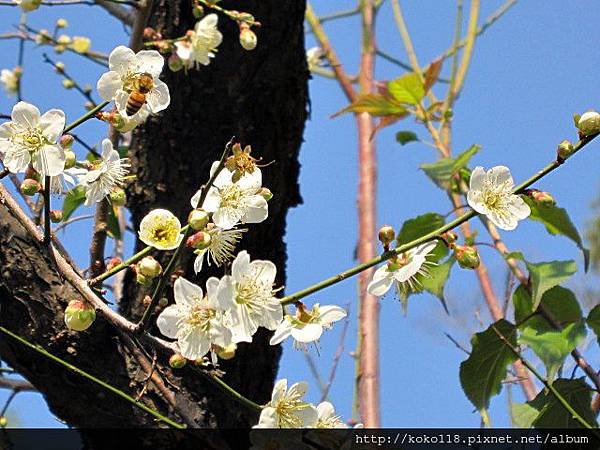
375 104
112 224
404 137
482 373
557 222
442 171
593 321
408 89
73 200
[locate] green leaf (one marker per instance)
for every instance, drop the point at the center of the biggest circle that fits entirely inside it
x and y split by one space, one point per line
558 301
404 137
407 89
551 414
558 222
442 171
419 226
436 281
374 104
552 347
481 375
123 151
593 321
73 200
112 224
523 415
546 275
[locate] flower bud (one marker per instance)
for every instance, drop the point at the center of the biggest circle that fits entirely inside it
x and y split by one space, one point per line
79 315
3 421
31 173
265 193
143 280
198 219
175 63
56 215
63 39
113 262
30 5
386 235
70 159
147 300
248 39
62 23
589 123
89 106
68 84
81 44
163 302
199 241
118 197
467 256
87 89
198 11
228 352
565 150
450 237
149 267
177 361
66 141
30 187
541 198
59 67
43 37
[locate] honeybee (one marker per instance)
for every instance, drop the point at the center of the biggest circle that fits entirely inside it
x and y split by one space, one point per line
143 84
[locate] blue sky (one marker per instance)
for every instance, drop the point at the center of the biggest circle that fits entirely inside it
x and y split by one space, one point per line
530 72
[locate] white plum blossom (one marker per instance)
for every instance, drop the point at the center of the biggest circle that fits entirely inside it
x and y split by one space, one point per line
327 417
60 184
160 229
307 326
126 70
314 57
107 174
232 203
198 322
250 289
491 193
221 247
287 408
10 81
402 271
201 44
32 138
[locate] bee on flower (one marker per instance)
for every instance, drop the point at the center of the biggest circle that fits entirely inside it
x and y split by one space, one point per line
491 193
107 174
160 229
31 137
133 83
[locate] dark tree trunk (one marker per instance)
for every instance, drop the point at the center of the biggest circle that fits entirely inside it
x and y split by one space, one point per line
260 97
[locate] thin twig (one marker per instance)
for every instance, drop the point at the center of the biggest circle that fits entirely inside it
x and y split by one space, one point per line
68 222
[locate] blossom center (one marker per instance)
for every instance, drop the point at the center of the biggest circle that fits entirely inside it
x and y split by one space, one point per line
200 316
232 196
32 139
164 233
285 410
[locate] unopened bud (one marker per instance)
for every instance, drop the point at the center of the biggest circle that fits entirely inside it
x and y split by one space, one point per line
450 237
87 89
62 23
198 11
149 267
228 352
30 187
3 421
118 197
60 67
89 106
143 280
541 198
265 193
200 240
66 141
163 302
177 361
79 315
175 63
63 39
467 256
81 44
589 123
248 39
113 262
30 5
147 300
56 215
70 159
386 235
198 219
565 150
68 84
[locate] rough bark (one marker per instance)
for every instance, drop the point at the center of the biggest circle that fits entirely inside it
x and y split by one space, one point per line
259 97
